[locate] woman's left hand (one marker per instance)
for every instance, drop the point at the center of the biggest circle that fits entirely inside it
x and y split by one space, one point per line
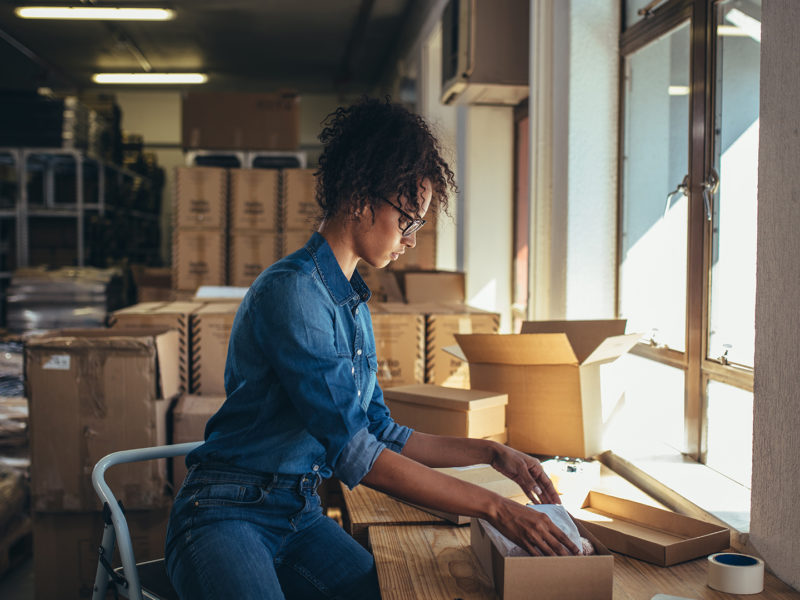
528 473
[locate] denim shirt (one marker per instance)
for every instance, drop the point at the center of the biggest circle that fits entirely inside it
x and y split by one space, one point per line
300 377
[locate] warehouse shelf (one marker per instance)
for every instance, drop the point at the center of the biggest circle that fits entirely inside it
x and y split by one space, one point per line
246 159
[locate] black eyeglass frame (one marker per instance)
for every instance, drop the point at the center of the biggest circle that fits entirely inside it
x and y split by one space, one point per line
415 224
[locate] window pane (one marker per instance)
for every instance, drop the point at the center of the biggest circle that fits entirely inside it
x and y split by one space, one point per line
652 410
730 431
733 266
655 162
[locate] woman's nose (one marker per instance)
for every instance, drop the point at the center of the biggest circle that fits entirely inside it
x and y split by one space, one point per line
410 240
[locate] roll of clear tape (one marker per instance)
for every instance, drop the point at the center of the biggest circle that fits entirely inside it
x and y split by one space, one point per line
735 573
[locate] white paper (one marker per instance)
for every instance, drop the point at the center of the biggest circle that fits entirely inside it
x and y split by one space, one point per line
57 362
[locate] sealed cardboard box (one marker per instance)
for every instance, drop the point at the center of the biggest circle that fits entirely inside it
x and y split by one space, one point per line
93 392
448 411
240 121
198 258
648 533
147 316
399 344
211 330
189 418
65 548
293 240
553 381
254 199
300 209
250 253
442 323
553 577
201 195
443 287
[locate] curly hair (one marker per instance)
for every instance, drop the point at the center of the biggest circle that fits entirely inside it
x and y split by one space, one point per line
373 150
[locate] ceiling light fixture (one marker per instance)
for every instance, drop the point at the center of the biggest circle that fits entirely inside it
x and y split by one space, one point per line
746 23
678 90
95 13
149 78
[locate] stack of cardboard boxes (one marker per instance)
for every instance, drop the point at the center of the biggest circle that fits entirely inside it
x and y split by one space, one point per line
93 392
300 209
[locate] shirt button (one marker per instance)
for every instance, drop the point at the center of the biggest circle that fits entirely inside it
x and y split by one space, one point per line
356 311
359 392
315 468
352 370
358 352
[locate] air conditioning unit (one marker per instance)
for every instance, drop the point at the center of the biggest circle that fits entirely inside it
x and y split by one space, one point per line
485 51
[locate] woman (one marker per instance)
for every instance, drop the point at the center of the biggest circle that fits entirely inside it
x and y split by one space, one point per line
303 403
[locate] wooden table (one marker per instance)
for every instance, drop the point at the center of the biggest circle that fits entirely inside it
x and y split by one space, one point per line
435 562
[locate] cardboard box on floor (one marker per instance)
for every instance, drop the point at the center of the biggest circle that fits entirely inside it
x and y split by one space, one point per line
552 577
552 380
65 548
399 344
254 199
201 197
648 533
147 316
189 418
211 331
448 411
92 392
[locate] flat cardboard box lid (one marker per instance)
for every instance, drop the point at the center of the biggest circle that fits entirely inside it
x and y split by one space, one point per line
584 336
517 349
444 397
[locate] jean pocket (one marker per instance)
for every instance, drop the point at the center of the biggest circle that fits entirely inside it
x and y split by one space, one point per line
228 494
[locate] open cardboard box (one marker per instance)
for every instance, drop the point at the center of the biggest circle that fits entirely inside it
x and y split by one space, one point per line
649 533
552 577
448 411
484 476
551 373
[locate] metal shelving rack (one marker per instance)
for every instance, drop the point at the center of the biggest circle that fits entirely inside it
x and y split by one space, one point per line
45 161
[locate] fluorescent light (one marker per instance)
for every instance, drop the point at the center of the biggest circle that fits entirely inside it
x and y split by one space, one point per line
730 31
149 78
746 23
95 13
678 90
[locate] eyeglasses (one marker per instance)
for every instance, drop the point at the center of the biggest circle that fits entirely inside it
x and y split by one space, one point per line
414 224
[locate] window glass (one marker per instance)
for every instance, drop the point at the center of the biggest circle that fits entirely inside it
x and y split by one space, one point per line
655 162
730 431
733 259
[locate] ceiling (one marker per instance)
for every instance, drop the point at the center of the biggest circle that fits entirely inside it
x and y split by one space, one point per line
312 46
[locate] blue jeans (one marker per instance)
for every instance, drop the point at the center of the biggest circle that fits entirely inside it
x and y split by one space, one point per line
238 534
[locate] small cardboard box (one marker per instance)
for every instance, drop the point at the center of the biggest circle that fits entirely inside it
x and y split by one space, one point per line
448 411
240 121
198 258
399 343
65 548
300 208
211 331
553 381
250 253
293 240
552 577
189 418
255 194
201 195
648 533
442 323
147 316
93 392
444 287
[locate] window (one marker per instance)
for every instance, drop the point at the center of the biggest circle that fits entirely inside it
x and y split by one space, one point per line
687 223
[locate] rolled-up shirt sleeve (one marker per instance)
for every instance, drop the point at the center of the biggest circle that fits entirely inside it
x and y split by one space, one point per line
298 337
381 424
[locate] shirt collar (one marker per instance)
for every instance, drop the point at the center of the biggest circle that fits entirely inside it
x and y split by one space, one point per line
341 290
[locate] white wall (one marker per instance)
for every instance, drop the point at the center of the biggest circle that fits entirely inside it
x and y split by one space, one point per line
774 525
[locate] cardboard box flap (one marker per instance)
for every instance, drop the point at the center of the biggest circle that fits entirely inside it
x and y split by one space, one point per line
584 336
519 349
613 348
168 355
133 340
445 397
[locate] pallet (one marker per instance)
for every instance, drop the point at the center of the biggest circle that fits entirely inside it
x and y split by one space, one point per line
16 544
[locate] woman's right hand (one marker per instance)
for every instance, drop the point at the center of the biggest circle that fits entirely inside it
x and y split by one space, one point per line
532 530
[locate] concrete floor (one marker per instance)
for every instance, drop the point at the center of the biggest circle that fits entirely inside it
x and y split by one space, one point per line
17 584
